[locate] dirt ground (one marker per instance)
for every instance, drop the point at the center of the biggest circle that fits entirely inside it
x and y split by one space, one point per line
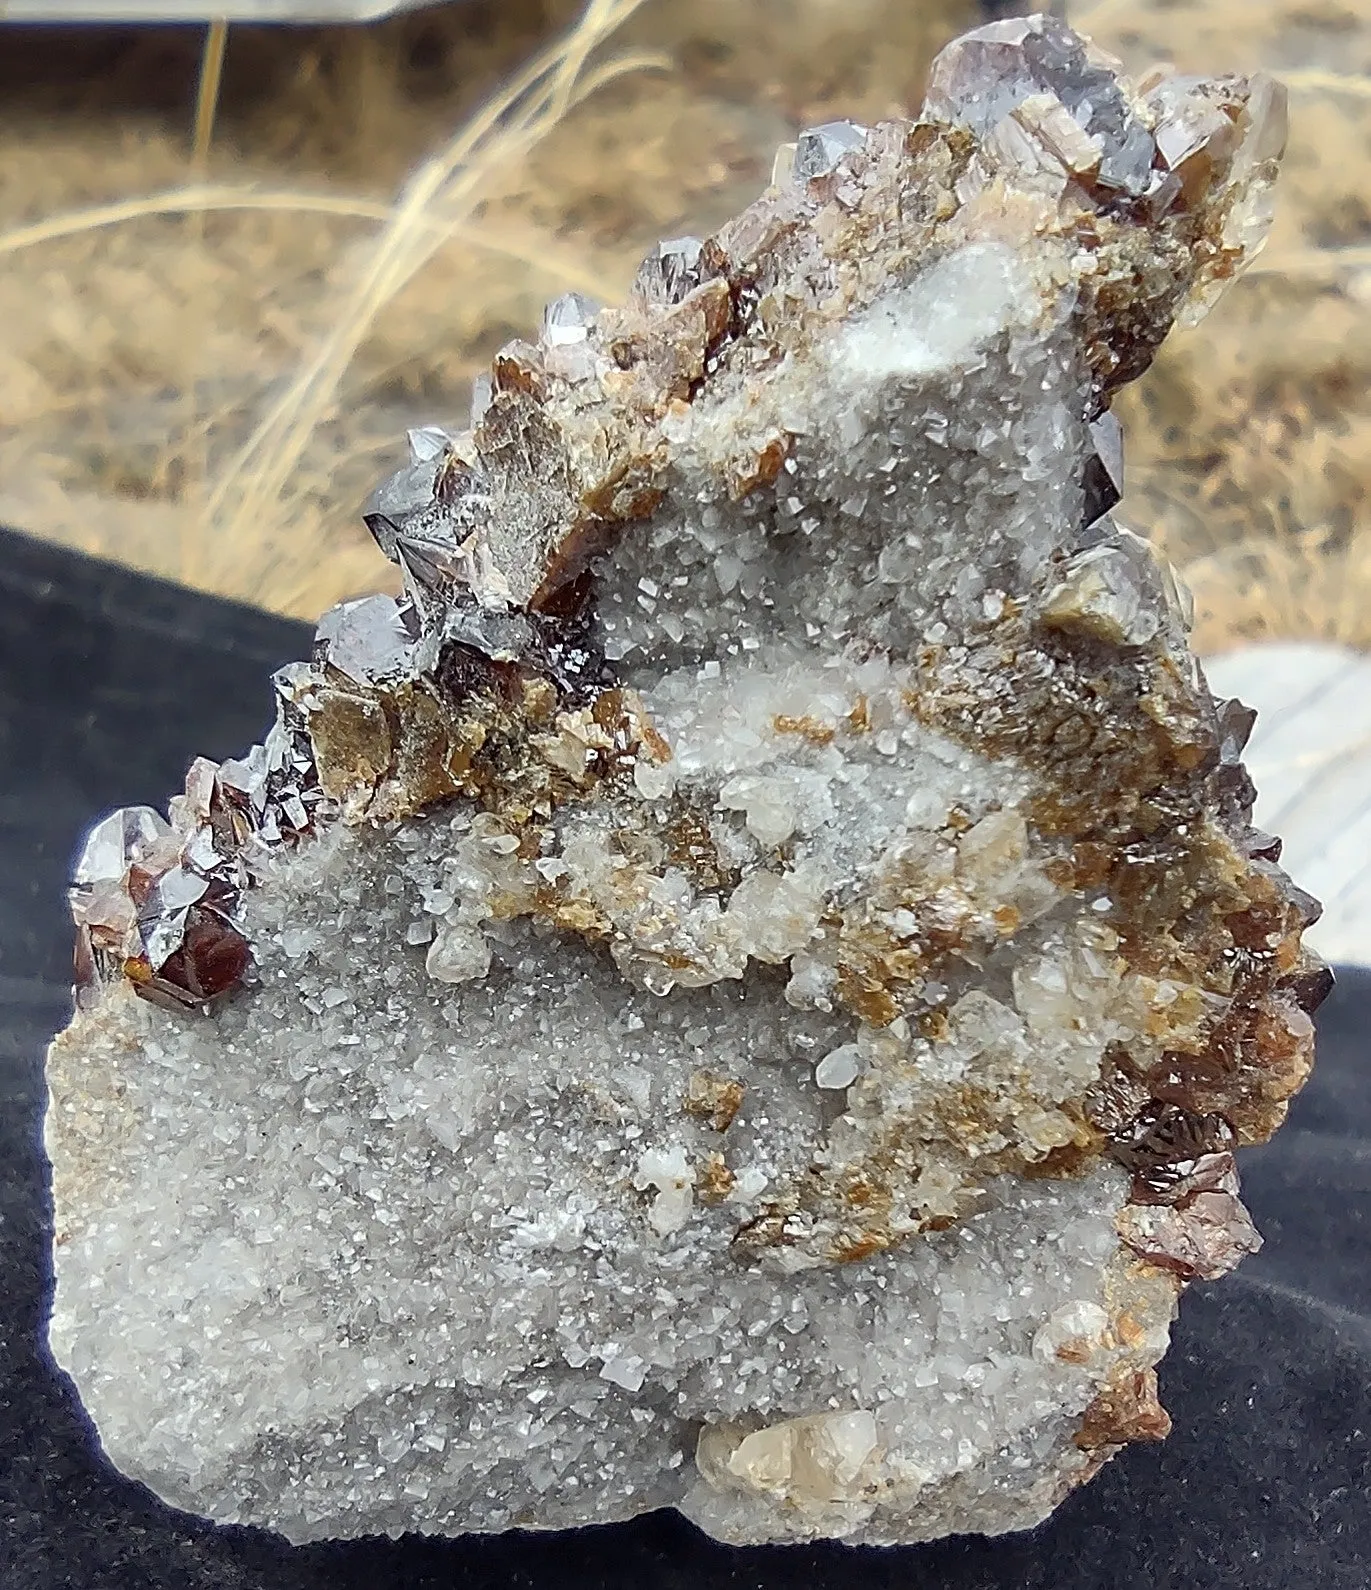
203 368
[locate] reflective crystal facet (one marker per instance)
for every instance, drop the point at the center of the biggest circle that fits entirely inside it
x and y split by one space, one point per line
210 961
981 78
1203 1237
116 842
427 443
481 392
1103 480
407 492
1108 591
365 639
819 149
568 319
670 271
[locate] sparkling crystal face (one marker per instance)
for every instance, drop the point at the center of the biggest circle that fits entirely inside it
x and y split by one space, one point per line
670 272
746 986
407 492
980 79
819 149
367 640
114 844
427 443
567 319
1103 482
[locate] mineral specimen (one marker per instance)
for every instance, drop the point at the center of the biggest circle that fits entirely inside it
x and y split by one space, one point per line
741 989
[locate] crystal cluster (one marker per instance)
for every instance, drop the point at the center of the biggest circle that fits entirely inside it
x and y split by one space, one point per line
743 988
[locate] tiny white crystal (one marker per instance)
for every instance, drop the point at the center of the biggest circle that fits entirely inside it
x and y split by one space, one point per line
839 1069
669 1172
1074 1333
458 954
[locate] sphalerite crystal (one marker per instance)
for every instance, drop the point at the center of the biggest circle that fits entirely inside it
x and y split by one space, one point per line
743 988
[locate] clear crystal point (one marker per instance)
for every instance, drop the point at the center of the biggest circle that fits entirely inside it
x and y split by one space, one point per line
567 319
116 842
981 78
401 495
819 149
1103 481
427 443
670 271
365 639
482 390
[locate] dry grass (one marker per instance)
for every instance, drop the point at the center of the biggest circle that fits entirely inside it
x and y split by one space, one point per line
209 414
1250 439
203 365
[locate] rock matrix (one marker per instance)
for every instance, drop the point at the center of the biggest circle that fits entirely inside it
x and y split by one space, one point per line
744 987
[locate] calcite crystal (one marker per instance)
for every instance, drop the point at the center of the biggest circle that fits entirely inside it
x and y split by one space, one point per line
743 988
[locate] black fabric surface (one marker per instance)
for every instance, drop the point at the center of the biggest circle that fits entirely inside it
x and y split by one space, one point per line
109 683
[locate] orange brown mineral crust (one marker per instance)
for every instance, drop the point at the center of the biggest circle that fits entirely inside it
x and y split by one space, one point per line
716 1179
1126 1410
762 946
713 1098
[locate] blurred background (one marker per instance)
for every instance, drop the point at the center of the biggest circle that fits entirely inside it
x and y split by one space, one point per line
210 346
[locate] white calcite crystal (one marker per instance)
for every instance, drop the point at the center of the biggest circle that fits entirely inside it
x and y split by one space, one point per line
741 990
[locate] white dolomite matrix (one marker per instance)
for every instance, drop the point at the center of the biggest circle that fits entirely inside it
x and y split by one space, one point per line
742 989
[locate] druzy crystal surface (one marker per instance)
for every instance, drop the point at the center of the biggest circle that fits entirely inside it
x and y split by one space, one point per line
742 989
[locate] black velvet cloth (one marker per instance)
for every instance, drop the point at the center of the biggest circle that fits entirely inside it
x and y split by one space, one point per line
109 683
